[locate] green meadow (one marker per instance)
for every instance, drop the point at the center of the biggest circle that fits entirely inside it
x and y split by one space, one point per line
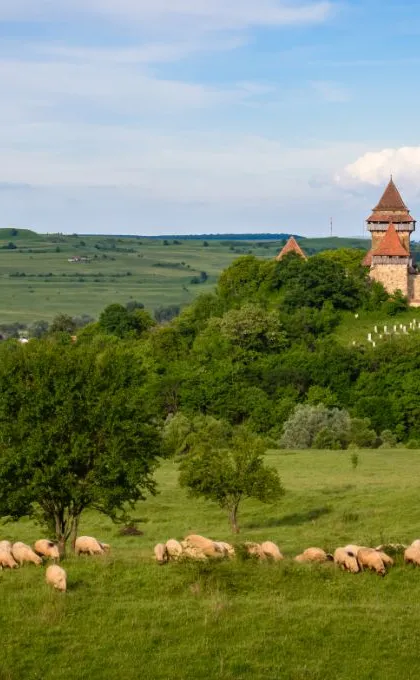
125 617
38 282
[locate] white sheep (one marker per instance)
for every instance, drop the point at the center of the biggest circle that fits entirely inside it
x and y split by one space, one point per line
226 548
173 549
271 550
23 553
346 561
46 548
7 560
254 550
56 577
199 547
412 555
371 558
88 545
313 555
161 553
415 544
6 545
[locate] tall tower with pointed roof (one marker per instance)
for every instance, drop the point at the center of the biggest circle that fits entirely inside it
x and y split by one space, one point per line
390 259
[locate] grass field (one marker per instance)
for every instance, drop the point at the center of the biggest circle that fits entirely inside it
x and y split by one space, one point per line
38 282
125 617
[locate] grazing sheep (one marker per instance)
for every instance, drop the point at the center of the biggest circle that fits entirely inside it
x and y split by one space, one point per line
345 561
7 560
271 551
88 545
23 553
353 549
412 555
173 549
56 577
313 555
161 553
415 544
225 548
370 558
200 546
6 546
254 550
47 549
386 559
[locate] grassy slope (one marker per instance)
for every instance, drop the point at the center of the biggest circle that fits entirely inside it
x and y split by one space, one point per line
356 330
123 616
88 287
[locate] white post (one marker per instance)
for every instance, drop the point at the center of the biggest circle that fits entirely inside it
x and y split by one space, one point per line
369 337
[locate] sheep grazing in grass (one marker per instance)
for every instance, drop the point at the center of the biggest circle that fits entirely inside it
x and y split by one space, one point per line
386 559
226 549
412 555
346 561
161 553
23 553
173 549
313 555
46 548
7 560
199 547
105 547
6 545
56 576
353 549
415 544
254 550
271 550
371 559
88 545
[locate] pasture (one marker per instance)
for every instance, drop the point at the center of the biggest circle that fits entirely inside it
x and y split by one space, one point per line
125 617
38 282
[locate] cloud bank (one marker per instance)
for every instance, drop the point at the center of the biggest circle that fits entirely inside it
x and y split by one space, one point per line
375 167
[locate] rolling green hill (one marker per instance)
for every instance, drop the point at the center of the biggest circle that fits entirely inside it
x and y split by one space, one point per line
37 281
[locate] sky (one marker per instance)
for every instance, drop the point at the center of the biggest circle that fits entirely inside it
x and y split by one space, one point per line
206 116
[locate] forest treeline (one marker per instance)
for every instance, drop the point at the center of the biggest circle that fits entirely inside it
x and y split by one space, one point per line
262 345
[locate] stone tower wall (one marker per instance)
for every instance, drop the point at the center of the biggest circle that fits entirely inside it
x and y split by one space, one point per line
392 276
414 287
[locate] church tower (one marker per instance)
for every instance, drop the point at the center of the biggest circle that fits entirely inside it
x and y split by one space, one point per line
390 259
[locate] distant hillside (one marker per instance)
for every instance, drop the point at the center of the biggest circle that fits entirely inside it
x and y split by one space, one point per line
12 234
315 245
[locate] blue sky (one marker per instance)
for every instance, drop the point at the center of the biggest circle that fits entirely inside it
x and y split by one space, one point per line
193 116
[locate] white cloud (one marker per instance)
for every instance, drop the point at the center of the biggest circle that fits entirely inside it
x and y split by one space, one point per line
225 14
375 167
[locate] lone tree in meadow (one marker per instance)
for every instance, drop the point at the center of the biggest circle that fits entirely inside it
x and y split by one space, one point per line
76 432
227 467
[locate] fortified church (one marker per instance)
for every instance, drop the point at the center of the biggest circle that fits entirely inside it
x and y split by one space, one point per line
389 259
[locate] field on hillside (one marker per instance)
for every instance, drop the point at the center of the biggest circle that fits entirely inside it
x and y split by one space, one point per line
125 617
38 282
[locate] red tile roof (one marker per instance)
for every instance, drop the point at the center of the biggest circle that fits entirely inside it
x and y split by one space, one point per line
292 246
367 260
391 199
390 246
380 216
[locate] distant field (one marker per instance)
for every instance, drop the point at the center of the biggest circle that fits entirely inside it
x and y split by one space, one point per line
125 617
38 282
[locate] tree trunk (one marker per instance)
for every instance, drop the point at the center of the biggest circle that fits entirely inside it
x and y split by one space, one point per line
233 518
74 531
62 545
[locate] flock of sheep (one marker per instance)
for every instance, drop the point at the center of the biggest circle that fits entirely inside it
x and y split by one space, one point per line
353 558
17 554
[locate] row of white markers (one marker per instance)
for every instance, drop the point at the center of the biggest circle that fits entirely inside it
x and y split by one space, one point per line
400 329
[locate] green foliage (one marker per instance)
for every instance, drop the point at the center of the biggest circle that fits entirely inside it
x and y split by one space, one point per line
317 427
76 432
118 320
226 466
63 323
395 304
388 439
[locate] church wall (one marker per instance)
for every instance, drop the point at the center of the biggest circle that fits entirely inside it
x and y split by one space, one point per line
414 286
392 276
